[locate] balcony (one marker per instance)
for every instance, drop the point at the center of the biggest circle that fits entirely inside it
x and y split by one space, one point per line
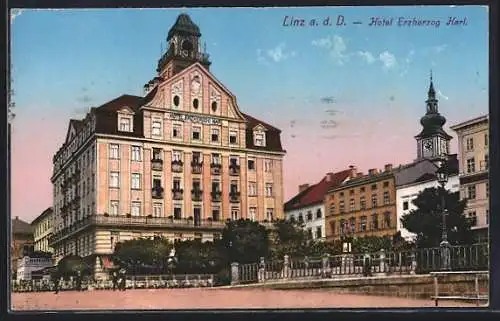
234 169
157 164
215 168
157 192
196 195
177 194
177 166
216 196
234 197
196 167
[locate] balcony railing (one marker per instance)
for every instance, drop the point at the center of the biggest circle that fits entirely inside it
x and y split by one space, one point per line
196 167
215 168
234 169
234 197
216 196
483 165
177 193
177 166
157 192
196 195
157 164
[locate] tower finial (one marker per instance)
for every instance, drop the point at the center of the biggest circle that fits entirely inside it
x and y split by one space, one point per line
431 74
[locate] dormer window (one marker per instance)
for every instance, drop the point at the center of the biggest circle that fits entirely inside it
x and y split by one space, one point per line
125 124
125 120
259 139
156 127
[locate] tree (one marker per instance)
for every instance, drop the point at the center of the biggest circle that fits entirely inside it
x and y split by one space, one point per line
289 239
143 252
427 221
71 265
245 241
197 257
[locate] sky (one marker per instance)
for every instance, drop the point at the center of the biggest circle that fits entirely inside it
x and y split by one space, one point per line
342 95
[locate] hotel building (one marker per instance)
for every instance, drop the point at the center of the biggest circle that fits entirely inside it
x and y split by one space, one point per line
178 162
473 144
42 230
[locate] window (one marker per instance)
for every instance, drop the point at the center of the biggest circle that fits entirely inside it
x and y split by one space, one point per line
309 216
386 184
259 139
216 214
387 220
333 227
487 190
332 208
342 226
177 131
114 151
234 187
196 132
352 224
251 164
157 209
374 223
176 156
234 214
114 179
156 128
196 184
215 134
341 194
253 213
157 153
216 159
352 205
351 192
386 198
196 103
156 182
362 189
233 137
135 209
215 186
310 233
472 218
486 162
486 139
125 124
374 187
252 189
362 203
177 212
487 217
136 181
176 185
269 189
471 192
341 207
471 165
318 232
214 106
136 153
268 165
405 205
374 200
362 224
318 213
470 144
114 207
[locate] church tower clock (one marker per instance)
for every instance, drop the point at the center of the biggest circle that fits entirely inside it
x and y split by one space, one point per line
184 48
433 142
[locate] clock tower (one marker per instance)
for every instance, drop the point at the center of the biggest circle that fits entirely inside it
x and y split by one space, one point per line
433 142
184 48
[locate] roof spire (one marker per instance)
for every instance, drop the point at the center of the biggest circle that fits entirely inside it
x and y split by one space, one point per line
431 93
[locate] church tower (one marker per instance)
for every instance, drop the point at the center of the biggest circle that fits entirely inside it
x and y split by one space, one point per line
433 142
184 48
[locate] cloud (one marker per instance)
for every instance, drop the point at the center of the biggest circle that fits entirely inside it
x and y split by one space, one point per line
15 13
407 62
366 56
276 54
440 94
336 47
440 48
328 100
388 60
260 58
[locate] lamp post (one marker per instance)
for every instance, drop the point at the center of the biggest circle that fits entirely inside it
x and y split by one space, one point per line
442 178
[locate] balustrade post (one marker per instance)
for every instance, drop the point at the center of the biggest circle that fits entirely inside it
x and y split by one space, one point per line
382 263
286 266
413 268
235 273
262 270
325 264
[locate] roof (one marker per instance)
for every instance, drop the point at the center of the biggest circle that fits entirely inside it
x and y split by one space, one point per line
184 25
364 179
470 122
44 214
316 193
21 227
273 139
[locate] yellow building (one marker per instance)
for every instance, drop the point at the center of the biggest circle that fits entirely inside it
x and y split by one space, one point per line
473 144
177 162
42 230
362 206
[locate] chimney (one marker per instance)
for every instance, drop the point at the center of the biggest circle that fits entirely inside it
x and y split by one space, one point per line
353 171
303 187
328 177
388 167
372 171
359 174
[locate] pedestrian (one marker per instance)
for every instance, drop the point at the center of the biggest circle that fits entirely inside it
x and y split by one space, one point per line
122 280
56 285
78 281
114 279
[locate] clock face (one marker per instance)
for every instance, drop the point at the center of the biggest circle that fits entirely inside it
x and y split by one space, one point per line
428 145
444 147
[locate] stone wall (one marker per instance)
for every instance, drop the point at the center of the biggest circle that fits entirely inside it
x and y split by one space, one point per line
408 286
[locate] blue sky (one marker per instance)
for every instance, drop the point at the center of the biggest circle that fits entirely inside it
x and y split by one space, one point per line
377 77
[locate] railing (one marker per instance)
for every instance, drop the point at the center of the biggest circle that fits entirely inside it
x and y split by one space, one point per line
177 166
234 197
177 194
234 169
196 195
196 167
157 164
216 196
215 168
132 282
157 192
462 258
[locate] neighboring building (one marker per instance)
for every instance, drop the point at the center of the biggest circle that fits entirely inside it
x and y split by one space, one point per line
308 205
178 162
473 144
32 263
42 230
21 242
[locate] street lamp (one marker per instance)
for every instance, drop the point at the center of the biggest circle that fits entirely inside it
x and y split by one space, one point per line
442 178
